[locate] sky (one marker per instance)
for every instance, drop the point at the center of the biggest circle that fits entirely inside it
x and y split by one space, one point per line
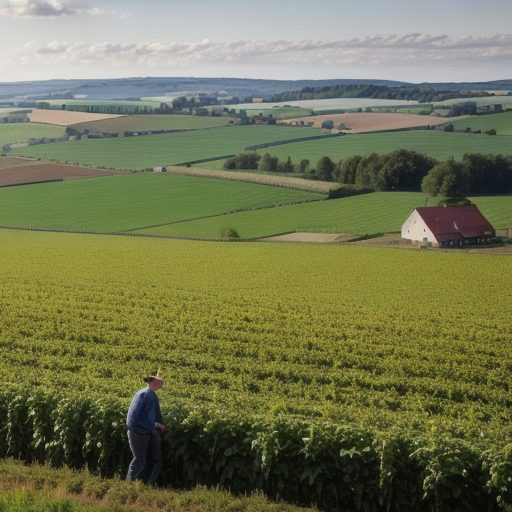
405 40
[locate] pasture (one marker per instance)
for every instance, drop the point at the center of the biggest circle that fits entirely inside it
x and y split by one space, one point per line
502 123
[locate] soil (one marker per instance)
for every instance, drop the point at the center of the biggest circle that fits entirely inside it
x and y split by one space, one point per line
369 122
65 117
23 172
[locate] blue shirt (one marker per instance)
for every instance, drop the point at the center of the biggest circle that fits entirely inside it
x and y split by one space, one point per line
144 412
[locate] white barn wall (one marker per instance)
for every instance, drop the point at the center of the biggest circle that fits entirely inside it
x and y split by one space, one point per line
414 228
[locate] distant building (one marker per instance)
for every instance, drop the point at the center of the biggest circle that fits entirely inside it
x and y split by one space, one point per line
448 226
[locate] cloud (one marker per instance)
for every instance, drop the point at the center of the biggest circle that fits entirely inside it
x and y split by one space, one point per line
378 50
44 9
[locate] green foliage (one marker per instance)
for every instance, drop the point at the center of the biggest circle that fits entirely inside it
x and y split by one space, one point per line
446 179
244 161
230 233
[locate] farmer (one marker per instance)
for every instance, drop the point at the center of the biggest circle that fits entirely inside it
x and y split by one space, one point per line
144 422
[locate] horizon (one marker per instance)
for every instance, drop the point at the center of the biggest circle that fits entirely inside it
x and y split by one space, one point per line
161 77
458 41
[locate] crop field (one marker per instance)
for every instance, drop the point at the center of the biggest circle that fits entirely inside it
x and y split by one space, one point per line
380 212
367 122
439 145
152 122
332 316
398 361
21 132
119 203
166 149
502 123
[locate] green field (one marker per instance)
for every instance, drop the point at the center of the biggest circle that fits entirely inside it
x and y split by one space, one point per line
177 205
119 203
506 101
152 122
439 145
381 212
22 132
502 123
167 149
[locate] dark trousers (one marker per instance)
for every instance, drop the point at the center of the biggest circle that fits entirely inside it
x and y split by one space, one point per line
141 446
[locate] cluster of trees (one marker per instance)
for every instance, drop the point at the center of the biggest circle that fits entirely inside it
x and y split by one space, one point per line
423 94
265 163
400 170
476 174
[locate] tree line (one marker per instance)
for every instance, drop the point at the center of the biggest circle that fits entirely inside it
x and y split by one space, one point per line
423 94
399 170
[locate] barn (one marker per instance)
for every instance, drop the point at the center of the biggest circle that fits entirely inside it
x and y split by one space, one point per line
448 226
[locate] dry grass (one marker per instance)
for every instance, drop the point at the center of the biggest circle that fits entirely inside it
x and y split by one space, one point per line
319 187
369 122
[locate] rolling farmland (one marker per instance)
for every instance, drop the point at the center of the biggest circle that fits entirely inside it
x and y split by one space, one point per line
120 203
167 149
357 378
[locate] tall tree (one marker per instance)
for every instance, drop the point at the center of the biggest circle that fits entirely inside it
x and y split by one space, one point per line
325 168
447 178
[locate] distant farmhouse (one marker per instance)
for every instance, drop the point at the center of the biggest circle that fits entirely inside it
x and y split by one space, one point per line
448 226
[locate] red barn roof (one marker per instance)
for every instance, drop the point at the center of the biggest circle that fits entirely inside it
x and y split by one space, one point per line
455 222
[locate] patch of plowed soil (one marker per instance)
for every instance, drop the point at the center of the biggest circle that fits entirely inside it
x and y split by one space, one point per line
65 117
39 172
369 122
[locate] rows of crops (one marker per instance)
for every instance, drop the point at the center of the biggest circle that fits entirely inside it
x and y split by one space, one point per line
265 348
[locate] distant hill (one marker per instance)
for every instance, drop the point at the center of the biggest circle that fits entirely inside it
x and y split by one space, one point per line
134 88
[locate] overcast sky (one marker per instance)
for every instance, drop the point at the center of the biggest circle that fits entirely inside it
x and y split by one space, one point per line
407 40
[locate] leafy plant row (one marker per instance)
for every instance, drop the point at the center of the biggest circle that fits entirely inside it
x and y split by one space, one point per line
334 466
